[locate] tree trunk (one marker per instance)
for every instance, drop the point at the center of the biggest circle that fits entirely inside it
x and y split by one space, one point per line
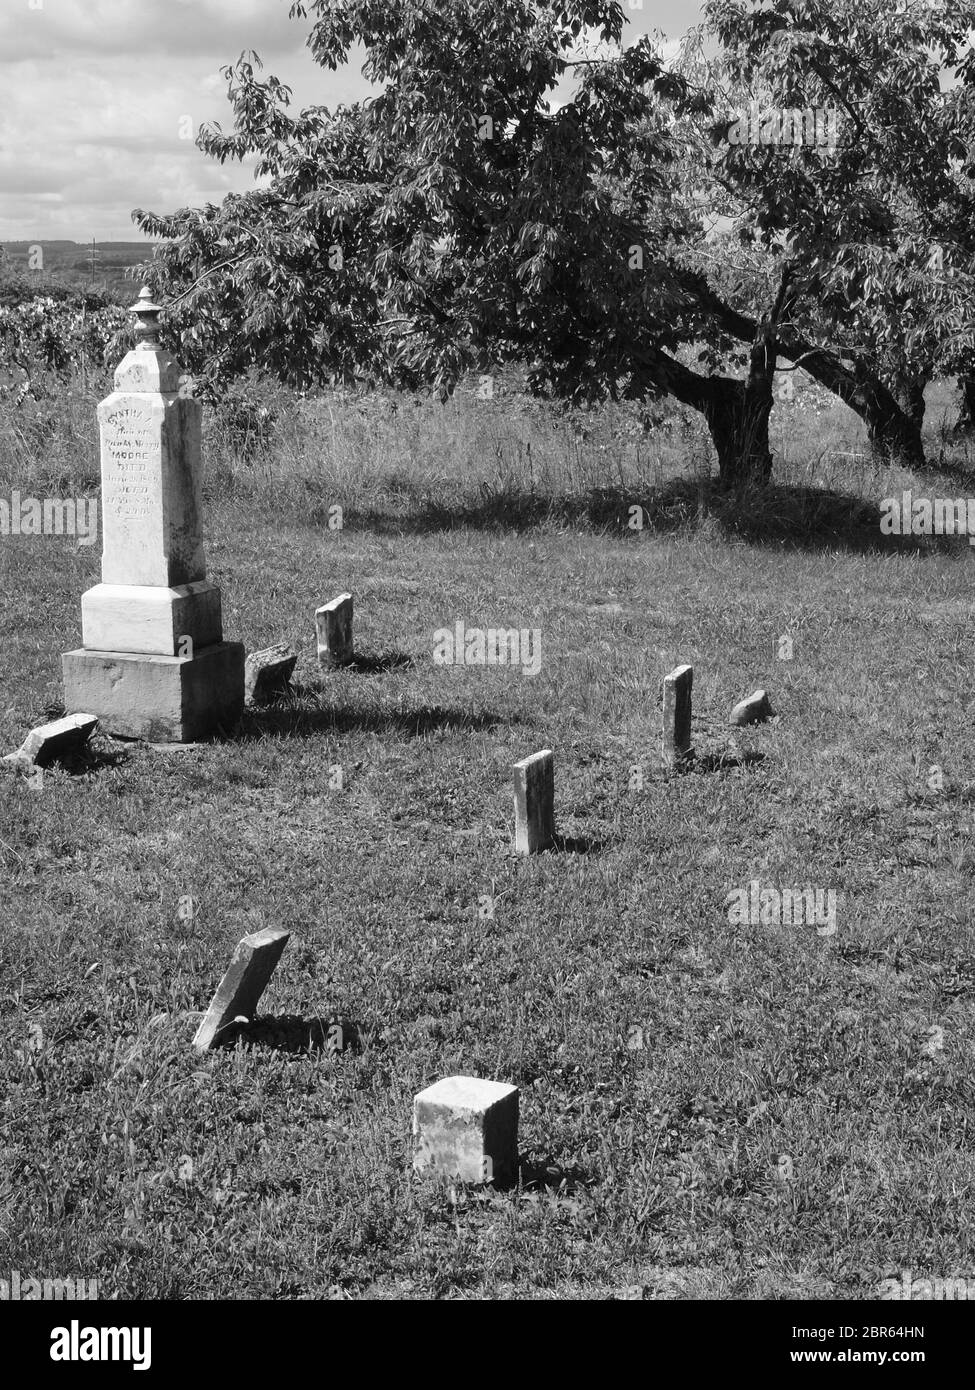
737 412
737 416
909 395
895 433
894 436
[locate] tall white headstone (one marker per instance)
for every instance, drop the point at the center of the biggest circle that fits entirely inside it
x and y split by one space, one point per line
153 662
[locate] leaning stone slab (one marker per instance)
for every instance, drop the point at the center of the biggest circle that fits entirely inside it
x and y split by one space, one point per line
534 785
268 673
468 1129
251 966
753 710
333 625
49 742
676 737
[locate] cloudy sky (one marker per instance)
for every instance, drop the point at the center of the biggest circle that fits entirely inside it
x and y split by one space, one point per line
96 94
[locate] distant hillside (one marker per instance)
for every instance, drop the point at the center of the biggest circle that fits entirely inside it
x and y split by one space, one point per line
69 262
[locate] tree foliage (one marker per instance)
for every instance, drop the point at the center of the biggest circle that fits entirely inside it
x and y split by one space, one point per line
512 193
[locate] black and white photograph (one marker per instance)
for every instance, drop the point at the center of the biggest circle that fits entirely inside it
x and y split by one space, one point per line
487 672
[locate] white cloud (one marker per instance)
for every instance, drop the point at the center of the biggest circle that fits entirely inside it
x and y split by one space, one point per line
96 96
94 93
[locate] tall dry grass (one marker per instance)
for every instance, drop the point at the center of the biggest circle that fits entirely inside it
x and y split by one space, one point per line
392 454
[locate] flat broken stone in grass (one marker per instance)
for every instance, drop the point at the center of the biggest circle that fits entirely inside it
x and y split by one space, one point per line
251 966
268 673
333 626
534 786
467 1128
50 742
676 739
754 710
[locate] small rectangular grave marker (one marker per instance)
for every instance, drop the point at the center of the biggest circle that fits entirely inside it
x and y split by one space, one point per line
333 624
49 742
267 673
251 966
677 715
534 784
467 1128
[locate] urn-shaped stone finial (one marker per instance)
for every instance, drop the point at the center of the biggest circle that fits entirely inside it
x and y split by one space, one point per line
146 320
148 367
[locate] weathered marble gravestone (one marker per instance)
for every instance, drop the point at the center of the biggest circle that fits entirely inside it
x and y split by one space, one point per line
333 625
676 742
238 993
467 1128
534 788
153 662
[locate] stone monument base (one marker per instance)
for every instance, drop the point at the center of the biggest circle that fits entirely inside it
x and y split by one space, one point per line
154 620
165 699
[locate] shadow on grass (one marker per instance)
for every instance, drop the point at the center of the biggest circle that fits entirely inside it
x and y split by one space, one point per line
540 1170
366 666
292 1033
780 515
715 760
80 762
377 665
301 722
724 759
576 844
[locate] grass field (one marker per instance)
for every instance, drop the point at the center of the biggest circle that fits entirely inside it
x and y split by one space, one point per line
708 1109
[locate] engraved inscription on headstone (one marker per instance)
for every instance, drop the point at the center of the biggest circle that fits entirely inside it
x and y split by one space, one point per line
128 455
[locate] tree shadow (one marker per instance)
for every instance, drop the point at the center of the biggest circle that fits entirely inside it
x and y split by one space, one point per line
783 515
301 722
670 508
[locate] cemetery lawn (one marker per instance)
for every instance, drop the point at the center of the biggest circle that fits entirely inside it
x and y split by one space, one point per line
707 1109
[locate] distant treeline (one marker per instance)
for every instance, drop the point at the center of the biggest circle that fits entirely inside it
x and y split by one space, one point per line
69 263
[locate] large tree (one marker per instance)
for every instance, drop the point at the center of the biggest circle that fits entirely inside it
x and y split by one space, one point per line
462 217
878 233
